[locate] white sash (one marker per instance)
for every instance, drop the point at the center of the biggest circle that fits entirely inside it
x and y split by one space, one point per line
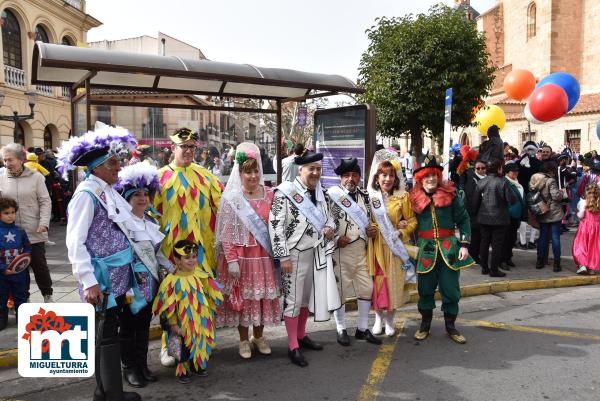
347 204
386 227
248 216
306 207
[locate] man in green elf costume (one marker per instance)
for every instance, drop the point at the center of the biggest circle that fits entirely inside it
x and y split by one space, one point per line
441 254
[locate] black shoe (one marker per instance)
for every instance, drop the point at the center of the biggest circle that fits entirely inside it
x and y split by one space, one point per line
125 396
297 358
485 271
501 266
3 320
510 263
522 246
539 264
557 267
133 377
199 372
185 379
343 338
368 336
306 342
497 273
108 368
147 374
532 245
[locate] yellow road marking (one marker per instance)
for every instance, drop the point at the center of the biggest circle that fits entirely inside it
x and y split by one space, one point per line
515 327
380 366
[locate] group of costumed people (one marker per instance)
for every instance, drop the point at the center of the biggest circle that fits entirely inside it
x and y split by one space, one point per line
174 243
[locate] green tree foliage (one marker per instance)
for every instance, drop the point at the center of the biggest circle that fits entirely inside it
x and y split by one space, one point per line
410 63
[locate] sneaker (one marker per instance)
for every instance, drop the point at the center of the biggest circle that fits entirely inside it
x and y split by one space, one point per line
261 345
582 270
50 243
165 359
48 299
245 351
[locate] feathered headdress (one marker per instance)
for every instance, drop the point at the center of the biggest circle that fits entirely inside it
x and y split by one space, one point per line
469 155
138 176
94 148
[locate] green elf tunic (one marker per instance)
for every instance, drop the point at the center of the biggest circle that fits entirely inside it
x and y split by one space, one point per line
438 215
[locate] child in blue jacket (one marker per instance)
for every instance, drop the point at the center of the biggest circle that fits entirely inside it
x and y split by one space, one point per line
13 242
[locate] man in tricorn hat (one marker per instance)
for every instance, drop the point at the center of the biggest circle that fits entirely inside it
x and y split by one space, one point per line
302 232
98 246
351 213
441 254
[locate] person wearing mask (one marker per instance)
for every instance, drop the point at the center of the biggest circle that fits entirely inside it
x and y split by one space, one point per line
545 183
517 212
493 197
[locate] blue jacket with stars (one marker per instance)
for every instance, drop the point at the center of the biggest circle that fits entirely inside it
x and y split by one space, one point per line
13 242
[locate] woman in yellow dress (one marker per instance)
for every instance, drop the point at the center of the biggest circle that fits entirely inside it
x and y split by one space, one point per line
389 253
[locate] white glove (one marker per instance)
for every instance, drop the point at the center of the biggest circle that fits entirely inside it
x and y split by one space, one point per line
525 162
234 269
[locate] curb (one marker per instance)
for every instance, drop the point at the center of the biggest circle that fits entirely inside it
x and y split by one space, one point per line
9 357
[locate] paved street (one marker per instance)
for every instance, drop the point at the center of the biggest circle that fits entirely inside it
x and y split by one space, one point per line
531 345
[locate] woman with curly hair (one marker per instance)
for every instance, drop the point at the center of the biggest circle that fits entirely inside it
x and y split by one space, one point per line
585 246
388 254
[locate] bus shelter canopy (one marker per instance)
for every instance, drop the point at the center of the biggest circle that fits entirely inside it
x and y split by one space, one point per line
61 65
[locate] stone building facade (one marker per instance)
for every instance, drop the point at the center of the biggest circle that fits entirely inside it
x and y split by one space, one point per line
23 22
544 36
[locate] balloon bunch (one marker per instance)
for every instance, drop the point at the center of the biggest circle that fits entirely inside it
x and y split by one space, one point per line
555 95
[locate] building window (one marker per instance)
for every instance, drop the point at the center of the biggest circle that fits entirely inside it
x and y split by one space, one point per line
531 15
155 126
103 114
67 41
526 137
19 134
11 40
47 138
41 34
573 139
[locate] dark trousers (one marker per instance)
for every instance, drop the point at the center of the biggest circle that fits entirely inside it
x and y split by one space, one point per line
40 269
493 235
475 242
133 334
15 284
549 231
509 239
448 281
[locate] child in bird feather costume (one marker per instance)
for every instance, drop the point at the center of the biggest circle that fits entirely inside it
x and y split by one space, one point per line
188 301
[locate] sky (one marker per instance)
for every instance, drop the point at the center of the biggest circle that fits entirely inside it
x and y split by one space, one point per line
325 36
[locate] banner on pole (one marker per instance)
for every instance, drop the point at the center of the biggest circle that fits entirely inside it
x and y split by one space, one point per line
447 132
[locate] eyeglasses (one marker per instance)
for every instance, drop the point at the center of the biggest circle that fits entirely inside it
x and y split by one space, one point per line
187 148
185 134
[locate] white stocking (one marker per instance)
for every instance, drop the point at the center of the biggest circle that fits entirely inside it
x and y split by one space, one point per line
340 318
378 322
390 330
363 314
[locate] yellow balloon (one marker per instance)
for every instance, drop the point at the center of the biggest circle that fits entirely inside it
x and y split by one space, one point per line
488 116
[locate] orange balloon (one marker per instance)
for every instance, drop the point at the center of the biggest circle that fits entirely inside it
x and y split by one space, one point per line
519 84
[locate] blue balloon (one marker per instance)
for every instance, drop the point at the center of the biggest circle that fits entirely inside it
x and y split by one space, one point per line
565 81
598 129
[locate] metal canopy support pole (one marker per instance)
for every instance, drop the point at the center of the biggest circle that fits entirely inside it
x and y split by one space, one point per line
88 105
278 138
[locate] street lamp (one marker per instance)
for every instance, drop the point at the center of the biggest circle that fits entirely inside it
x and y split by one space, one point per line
16 117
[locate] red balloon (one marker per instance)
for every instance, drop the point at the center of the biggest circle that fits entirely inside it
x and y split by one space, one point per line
548 103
